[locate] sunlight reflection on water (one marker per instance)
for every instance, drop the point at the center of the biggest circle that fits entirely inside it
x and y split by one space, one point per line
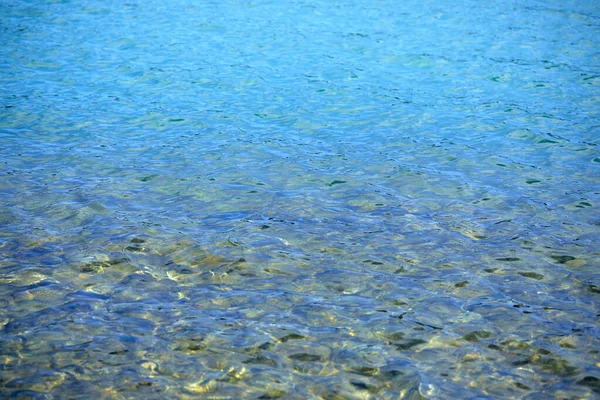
299 200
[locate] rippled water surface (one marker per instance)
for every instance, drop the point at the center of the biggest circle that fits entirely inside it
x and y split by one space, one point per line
299 199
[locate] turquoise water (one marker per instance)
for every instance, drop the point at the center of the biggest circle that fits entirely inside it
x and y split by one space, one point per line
303 199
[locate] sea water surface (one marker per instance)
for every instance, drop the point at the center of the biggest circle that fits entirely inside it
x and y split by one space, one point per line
299 199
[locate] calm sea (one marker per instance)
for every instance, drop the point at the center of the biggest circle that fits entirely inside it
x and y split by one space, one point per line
300 199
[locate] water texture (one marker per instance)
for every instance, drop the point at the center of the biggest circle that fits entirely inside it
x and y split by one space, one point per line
299 199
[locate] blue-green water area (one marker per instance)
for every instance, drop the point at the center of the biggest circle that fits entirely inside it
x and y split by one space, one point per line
299 199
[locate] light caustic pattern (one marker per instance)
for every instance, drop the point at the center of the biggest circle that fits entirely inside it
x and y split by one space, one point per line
300 199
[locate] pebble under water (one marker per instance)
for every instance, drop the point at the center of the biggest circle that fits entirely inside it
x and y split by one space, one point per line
304 199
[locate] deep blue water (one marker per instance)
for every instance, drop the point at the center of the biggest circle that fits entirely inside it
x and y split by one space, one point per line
300 199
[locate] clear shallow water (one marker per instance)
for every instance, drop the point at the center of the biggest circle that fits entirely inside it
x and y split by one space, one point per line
300 200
